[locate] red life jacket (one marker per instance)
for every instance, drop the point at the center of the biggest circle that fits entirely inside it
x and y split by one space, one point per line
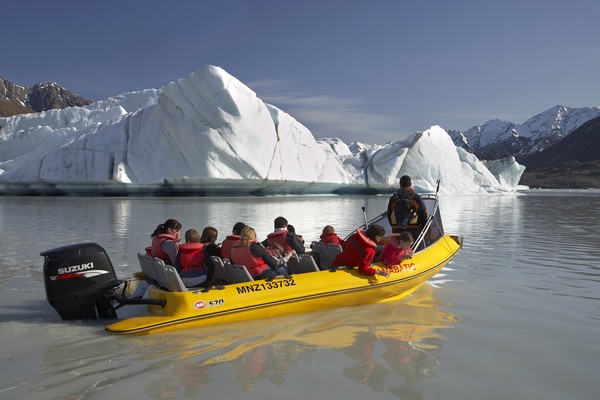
279 237
156 251
331 238
359 241
191 259
228 243
358 250
242 255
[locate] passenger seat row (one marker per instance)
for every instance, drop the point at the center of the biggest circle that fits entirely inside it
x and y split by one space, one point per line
166 277
226 272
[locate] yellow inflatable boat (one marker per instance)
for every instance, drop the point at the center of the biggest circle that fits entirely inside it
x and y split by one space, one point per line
80 283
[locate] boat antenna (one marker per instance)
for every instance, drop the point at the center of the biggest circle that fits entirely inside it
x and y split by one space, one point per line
365 217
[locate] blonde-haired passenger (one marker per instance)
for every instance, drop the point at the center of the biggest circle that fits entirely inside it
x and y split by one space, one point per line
249 252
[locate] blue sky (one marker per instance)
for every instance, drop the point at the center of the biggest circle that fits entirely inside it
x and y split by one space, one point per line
369 71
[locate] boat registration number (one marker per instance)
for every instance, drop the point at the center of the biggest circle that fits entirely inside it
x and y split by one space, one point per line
258 287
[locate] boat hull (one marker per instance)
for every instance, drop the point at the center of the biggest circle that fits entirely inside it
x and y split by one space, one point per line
300 293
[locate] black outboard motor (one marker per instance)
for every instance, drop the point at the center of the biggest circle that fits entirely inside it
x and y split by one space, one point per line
79 280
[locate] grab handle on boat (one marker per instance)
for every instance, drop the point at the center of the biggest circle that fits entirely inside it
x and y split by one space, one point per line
429 221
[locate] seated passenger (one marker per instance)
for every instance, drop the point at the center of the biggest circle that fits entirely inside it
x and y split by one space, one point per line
288 240
248 252
190 260
360 249
330 236
232 239
397 249
282 258
165 241
209 239
291 228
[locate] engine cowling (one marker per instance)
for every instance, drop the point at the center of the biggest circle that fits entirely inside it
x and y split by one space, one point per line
78 278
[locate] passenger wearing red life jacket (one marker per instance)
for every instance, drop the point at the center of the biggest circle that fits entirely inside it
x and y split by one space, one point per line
279 237
252 254
359 250
190 260
165 241
232 239
330 236
287 239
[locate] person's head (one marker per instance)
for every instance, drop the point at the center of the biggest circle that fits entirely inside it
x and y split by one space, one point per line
209 235
248 235
291 228
403 240
328 229
169 227
405 181
276 249
375 232
238 228
280 222
192 236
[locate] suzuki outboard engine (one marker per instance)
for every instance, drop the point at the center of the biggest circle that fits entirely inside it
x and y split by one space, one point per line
79 279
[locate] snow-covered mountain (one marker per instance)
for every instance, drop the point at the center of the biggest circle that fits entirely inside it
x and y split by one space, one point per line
497 139
208 133
574 162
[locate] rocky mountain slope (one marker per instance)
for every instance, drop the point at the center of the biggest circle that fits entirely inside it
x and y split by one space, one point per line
42 96
573 162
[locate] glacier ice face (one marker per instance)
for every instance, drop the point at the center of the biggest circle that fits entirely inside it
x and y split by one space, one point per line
209 133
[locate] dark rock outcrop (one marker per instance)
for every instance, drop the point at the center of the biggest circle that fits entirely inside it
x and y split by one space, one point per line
43 96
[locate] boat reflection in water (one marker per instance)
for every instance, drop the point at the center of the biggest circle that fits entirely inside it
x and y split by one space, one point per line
392 339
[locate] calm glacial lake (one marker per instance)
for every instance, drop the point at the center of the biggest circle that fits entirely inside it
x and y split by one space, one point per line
516 315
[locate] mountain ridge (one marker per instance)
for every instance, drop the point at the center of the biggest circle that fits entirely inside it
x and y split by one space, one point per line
573 162
497 139
42 96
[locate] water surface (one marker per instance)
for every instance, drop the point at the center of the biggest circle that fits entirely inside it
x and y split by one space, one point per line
515 315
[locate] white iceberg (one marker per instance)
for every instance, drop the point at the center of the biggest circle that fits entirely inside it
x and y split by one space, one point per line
208 133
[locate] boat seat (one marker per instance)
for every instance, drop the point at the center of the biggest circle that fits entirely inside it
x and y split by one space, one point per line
175 284
301 264
327 253
219 271
148 268
226 272
161 273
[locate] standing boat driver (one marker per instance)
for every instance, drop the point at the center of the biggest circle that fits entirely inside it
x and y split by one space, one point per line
406 211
